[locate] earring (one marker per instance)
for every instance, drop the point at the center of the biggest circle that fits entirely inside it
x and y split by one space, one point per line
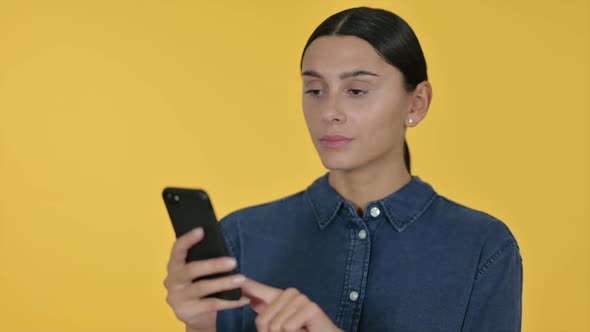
411 121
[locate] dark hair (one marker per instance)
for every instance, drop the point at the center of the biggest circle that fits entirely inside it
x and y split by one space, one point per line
391 37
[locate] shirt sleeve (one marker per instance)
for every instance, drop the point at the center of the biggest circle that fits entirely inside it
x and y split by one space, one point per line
496 298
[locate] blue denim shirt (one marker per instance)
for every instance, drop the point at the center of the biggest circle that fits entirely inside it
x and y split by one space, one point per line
415 261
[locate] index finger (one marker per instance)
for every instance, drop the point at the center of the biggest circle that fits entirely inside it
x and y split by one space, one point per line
183 244
257 291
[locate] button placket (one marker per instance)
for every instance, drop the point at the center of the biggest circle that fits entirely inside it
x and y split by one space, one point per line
355 280
362 234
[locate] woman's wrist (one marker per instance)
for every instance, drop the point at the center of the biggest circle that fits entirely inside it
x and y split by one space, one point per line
189 329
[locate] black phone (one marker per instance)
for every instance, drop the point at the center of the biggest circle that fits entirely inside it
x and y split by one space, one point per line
191 208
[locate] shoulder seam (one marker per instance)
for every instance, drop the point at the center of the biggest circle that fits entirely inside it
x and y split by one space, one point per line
486 266
469 209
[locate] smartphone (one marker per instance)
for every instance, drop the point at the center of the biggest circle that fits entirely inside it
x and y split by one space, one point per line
191 208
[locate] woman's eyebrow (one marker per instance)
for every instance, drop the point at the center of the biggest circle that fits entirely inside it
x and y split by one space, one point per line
356 73
312 73
345 75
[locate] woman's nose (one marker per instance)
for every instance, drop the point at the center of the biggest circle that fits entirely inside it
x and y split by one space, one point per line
332 110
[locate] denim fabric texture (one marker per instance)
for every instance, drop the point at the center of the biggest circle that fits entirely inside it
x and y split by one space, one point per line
415 261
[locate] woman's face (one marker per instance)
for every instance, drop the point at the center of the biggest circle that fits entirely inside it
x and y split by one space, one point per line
354 103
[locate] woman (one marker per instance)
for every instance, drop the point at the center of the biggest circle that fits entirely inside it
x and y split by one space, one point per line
366 247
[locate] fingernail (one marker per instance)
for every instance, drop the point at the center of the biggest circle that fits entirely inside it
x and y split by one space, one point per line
231 262
238 279
245 300
198 231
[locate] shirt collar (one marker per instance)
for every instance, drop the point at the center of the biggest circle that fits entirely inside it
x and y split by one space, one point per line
401 208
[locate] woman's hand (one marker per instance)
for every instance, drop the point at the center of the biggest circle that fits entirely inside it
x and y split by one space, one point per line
188 299
285 310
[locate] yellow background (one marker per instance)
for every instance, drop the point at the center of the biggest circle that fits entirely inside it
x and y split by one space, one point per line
102 104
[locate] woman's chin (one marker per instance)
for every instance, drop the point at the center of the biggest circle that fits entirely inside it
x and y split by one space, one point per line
338 164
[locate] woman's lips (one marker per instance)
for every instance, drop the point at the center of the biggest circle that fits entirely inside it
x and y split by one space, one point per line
334 141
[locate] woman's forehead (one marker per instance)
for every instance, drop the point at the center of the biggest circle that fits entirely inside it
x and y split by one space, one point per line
335 55
342 54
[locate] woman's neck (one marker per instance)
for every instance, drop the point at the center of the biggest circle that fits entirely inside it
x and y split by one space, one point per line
369 183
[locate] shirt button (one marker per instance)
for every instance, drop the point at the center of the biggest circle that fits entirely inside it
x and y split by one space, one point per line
353 296
362 234
375 212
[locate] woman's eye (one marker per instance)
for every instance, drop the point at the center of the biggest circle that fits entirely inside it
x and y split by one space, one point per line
357 92
313 92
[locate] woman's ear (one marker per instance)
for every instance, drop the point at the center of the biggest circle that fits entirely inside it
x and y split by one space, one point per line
421 99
